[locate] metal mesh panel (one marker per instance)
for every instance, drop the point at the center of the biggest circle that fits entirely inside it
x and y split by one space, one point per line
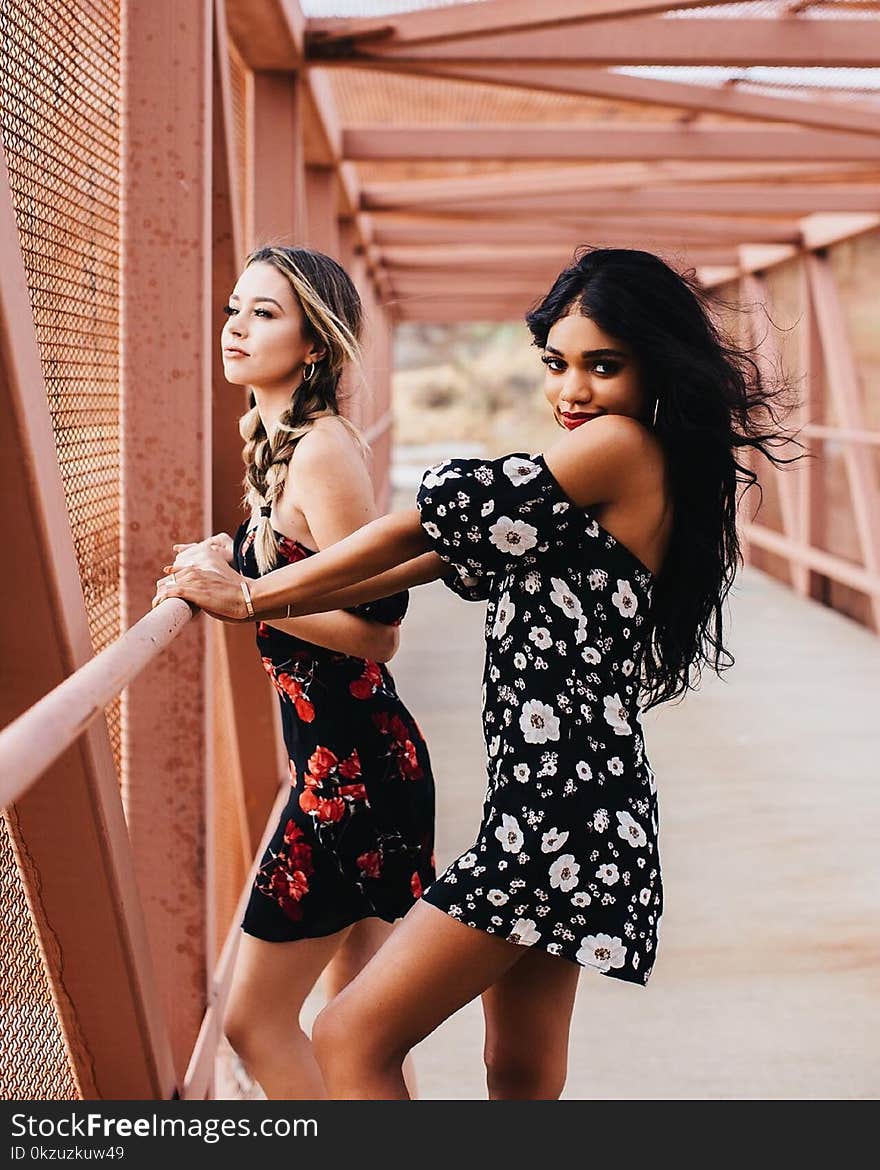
34 1065
400 100
59 87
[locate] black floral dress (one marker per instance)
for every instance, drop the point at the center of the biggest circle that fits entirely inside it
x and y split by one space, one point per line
566 858
355 839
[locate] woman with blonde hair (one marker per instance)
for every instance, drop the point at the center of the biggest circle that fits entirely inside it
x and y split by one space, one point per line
353 847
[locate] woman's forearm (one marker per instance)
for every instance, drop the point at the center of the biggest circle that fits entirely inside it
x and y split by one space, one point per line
346 633
419 571
383 544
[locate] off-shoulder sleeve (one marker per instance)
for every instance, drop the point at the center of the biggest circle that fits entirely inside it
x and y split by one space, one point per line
488 516
387 611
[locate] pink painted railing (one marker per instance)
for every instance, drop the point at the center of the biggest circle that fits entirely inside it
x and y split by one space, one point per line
34 741
827 380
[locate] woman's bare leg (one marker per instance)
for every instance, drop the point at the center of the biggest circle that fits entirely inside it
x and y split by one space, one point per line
269 985
361 943
359 946
429 968
528 1018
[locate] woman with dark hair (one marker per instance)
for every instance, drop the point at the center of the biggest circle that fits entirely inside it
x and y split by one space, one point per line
605 561
353 846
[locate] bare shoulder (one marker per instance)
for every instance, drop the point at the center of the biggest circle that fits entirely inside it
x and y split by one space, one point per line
330 444
331 482
606 458
618 431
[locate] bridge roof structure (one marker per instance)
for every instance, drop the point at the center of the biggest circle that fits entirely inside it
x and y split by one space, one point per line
485 138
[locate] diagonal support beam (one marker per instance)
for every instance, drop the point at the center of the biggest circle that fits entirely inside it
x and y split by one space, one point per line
470 20
584 81
644 41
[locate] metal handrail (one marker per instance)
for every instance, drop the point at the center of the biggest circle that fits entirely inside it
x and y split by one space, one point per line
830 565
841 434
34 741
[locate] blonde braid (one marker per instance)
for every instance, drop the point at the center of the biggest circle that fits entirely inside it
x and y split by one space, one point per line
267 462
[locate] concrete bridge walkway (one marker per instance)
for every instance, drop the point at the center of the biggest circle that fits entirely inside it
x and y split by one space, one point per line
767 983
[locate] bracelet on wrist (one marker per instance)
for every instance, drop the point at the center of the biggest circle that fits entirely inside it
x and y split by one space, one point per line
246 593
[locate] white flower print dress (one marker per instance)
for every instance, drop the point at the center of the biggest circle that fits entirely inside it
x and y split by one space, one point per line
566 858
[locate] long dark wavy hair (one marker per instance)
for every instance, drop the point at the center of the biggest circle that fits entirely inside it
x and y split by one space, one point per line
714 403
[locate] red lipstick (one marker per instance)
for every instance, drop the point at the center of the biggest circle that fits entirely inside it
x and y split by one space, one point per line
572 421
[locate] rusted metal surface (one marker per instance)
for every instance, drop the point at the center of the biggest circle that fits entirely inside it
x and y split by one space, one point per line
166 383
253 708
276 199
322 216
68 829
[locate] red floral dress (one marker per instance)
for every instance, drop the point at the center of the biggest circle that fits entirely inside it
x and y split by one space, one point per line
355 839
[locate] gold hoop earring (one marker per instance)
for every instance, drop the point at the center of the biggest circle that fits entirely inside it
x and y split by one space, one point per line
307 377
